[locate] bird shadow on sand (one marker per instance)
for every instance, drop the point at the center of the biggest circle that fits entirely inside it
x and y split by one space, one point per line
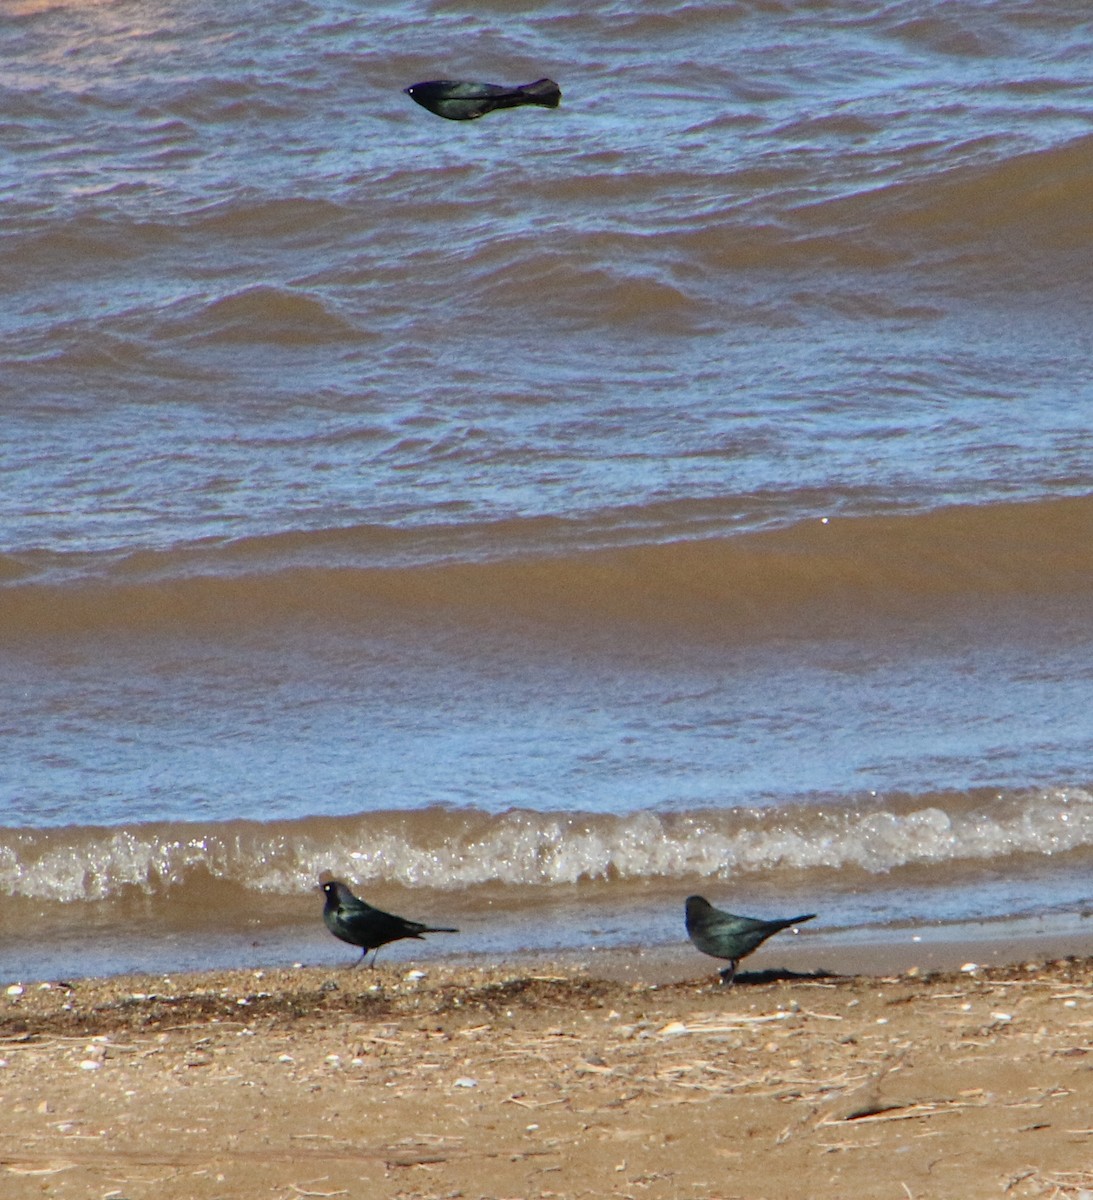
782 975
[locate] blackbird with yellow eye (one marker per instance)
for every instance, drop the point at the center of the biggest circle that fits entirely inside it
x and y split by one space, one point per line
355 921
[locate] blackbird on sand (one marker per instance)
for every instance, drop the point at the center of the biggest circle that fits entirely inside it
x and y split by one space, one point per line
358 923
725 935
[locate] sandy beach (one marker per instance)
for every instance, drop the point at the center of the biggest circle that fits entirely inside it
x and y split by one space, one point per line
449 1081
531 522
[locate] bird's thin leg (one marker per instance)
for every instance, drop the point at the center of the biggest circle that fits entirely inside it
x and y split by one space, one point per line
729 973
357 961
374 953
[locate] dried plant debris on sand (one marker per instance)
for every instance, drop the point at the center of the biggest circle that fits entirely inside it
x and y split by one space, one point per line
486 1082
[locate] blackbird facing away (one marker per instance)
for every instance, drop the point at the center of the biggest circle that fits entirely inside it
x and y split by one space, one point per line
724 935
351 919
458 101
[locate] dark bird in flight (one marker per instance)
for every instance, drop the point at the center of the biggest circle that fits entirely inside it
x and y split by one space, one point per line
464 101
351 919
724 935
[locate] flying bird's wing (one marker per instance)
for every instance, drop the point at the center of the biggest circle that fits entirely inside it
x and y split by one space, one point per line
462 100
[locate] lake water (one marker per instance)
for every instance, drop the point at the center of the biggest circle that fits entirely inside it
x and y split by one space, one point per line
536 519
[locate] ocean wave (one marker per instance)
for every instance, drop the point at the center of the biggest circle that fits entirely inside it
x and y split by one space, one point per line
817 576
460 849
636 294
1022 205
264 313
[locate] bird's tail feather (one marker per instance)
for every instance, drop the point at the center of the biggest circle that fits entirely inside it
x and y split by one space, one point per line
543 91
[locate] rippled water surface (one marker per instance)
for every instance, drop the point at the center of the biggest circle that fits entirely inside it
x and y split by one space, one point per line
688 488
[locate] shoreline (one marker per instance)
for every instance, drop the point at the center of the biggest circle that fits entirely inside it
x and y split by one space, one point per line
432 1081
839 952
918 950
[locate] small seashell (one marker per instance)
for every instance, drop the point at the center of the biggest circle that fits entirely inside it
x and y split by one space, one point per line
91 1064
464 1081
969 968
16 989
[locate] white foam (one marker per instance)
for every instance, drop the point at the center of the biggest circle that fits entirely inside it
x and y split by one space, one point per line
521 847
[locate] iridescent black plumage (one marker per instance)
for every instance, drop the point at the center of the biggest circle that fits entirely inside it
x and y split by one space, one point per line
458 101
358 923
725 935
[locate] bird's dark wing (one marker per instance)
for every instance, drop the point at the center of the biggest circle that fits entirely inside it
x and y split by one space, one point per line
727 935
433 90
382 927
738 926
459 100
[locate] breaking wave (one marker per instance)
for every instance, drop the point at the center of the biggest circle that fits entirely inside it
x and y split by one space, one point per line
462 849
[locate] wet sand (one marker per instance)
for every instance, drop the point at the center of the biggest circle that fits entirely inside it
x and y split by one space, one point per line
445 1081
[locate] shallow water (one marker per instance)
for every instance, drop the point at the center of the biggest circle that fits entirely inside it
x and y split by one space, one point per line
686 489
